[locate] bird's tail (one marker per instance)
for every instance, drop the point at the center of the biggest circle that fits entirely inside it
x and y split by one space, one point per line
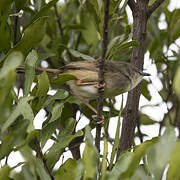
38 70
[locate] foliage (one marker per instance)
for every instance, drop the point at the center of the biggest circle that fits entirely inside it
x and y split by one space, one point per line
58 33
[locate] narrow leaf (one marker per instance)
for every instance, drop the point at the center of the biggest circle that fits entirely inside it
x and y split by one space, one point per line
41 170
29 70
63 78
78 54
67 170
22 108
176 82
12 61
89 156
4 172
166 143
174 164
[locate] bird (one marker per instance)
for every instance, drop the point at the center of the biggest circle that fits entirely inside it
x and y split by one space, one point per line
119 77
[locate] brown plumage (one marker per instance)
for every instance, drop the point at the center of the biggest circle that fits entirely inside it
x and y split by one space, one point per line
119 77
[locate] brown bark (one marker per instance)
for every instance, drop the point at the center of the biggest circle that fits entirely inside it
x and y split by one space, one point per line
101 73
141 12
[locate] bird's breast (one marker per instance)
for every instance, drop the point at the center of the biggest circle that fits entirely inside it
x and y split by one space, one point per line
87 91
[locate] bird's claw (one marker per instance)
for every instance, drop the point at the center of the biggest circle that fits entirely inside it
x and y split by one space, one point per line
95 117
100 86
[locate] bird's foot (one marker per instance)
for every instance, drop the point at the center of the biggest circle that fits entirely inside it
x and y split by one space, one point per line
98 121
100 86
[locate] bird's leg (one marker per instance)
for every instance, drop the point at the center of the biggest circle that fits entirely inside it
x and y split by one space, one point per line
92 108
100 86
95 118
87 104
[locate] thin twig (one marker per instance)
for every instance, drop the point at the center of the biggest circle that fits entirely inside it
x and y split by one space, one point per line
154 6
58 21
101 74
15 30
41 156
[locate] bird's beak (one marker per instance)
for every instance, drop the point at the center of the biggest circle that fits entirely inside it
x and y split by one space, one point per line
145 74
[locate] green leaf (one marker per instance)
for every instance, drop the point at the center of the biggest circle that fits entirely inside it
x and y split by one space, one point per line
4 8
128 44
176 82
43 56
30 137
120 166
151 2
5 29
57 149
33 34
14 137
6 86
121 47
22 108
104 160
79 170
30 71
64 138
145 90
174 164
114 4
20 4
41 170
27 154
78 54
5 40
47 132
163 149
90 33
145 119
117 136
141 174
4 172
137 156
63 78
174 25
44 10
40 92
12 61
7 105
28 173
90 156
97 5
114 42
60 94
67 170
17 176
56 111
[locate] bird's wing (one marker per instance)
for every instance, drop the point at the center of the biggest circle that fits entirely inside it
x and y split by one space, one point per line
81 65
85 77
85 71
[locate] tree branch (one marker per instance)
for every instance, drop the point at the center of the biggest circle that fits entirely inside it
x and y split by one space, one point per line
132 4
101 73
137 59
41 156
58 21
153 7
61 31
